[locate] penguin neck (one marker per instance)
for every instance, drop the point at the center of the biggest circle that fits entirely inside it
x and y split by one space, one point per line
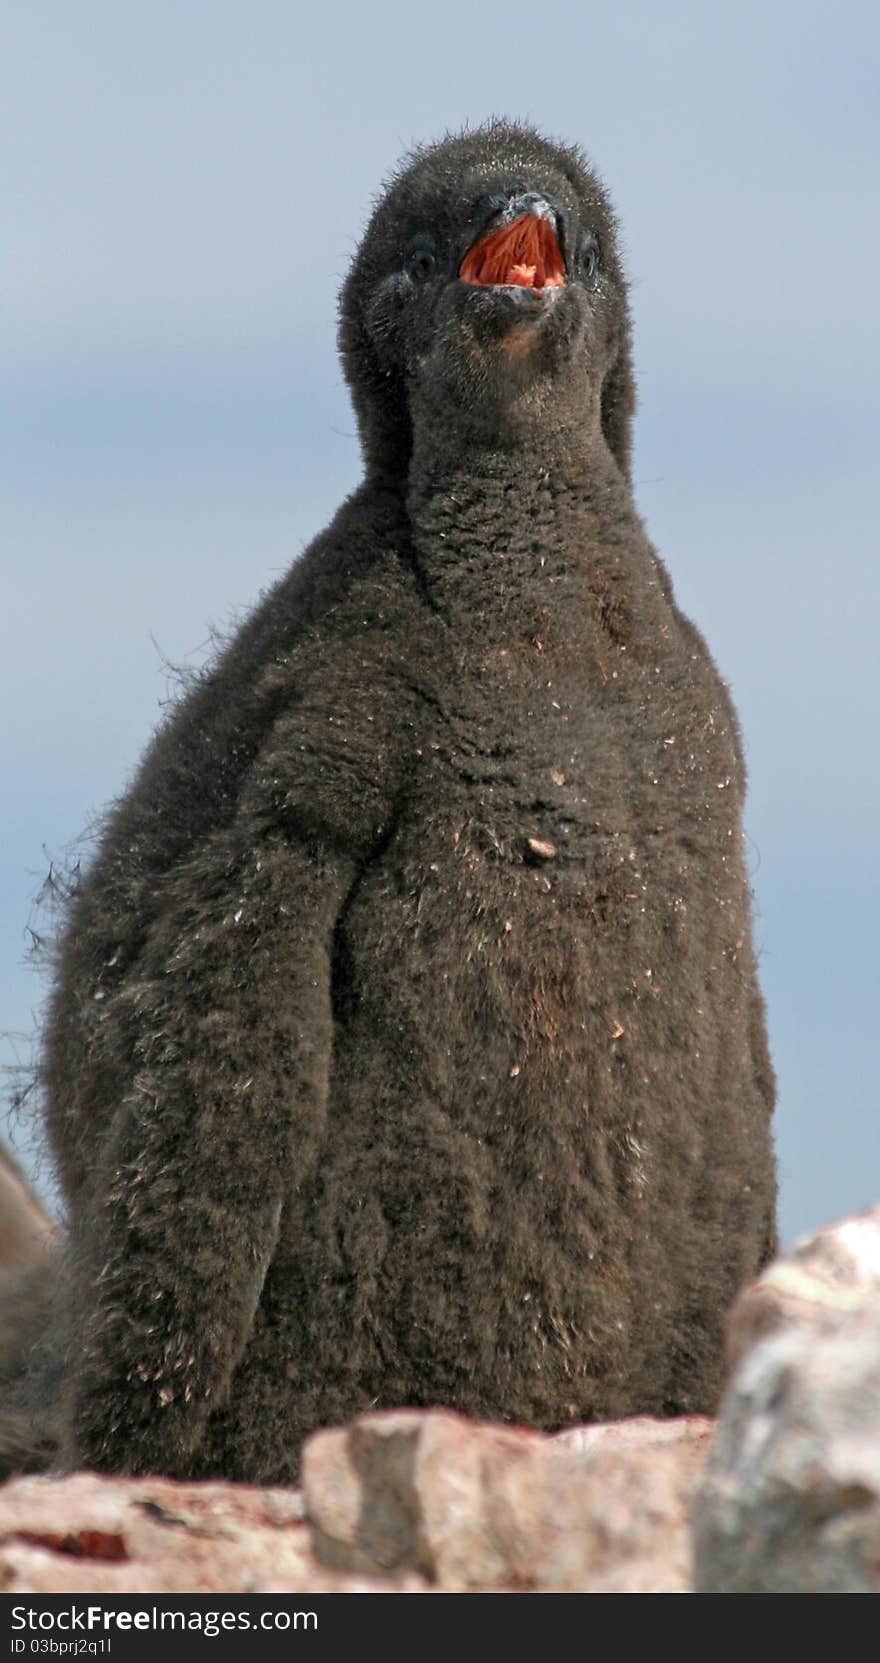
502 527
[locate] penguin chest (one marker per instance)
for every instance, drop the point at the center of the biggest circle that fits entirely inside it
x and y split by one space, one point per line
540 881
527 980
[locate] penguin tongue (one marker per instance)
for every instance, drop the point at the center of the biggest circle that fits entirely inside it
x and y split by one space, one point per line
524 253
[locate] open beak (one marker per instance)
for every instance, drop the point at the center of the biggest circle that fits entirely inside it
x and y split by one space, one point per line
522 252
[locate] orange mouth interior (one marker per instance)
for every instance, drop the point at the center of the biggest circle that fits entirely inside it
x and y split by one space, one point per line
524 254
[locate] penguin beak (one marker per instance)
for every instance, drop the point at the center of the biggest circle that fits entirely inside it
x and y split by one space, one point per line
521 252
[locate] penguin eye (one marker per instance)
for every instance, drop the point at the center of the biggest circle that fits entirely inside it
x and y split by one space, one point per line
590 256
421 262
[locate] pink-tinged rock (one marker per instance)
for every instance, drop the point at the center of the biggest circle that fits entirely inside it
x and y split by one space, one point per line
424 1491
404 1501
26 1231
641 1435
791 1498
477 1506
86 1534
622 1526
826 1278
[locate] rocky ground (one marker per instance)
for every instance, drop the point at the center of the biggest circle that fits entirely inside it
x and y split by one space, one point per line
782 1495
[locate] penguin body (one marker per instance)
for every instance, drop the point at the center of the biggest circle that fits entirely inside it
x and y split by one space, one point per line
407 1046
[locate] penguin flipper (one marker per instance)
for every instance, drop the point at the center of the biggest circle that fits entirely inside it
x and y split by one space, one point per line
222 1116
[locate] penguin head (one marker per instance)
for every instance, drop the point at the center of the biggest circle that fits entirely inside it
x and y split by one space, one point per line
488 289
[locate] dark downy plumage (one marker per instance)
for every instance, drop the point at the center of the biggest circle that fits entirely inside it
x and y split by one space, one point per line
406 1045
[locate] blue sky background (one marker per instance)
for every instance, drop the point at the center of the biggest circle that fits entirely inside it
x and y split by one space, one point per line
184 184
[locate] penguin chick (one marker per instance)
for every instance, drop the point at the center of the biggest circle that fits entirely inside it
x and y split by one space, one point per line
406 1045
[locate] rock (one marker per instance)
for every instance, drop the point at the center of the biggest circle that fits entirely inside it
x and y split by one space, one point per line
86 1534
405 1501
471 1506
621 1524
26 1230
826 1277
791 1498
28 1272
